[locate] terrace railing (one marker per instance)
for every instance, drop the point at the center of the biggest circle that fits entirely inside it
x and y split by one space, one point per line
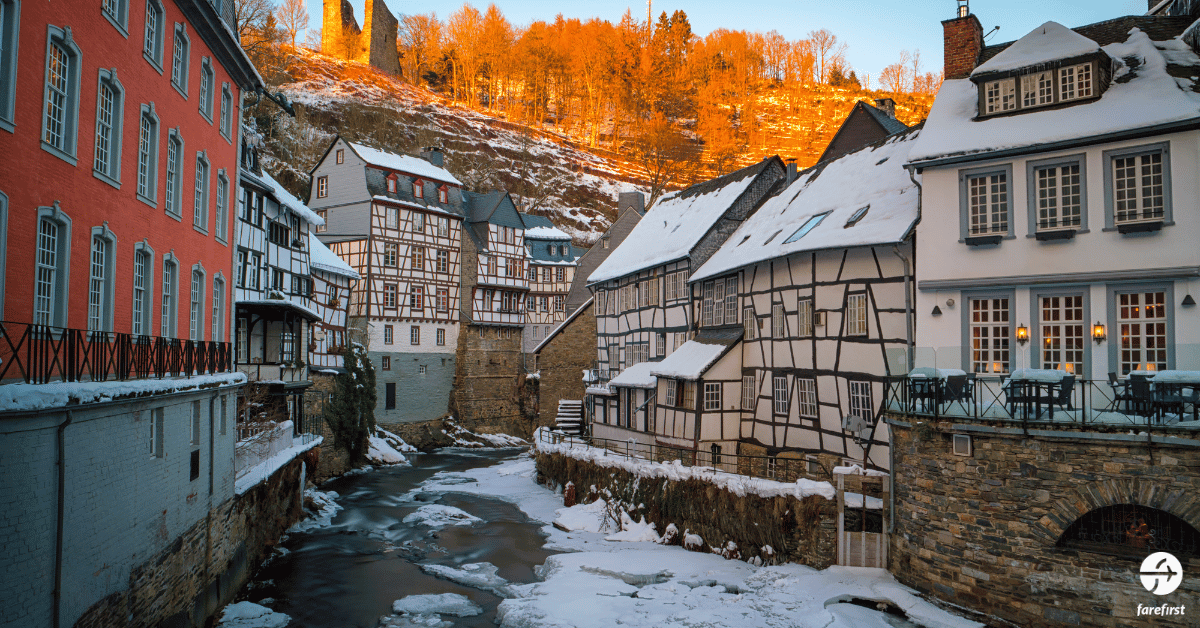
1091 404
40 354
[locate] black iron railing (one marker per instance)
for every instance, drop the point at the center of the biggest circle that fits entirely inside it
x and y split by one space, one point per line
1096 404
39 354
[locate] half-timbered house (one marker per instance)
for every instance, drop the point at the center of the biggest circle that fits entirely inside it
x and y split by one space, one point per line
495 284
333 283
643 303
814 286
631 206
272 284
553 261
398 221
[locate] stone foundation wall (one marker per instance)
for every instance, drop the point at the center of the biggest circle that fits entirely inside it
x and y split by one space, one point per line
561 364
802 531
489 382
201 571
983 531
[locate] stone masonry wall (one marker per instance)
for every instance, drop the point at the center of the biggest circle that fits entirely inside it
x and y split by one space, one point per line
489 380
982 531
561 364
379 37
802 531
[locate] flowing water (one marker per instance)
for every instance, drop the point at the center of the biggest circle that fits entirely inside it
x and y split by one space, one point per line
348 574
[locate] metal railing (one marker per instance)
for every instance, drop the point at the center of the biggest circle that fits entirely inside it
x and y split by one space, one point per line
39 354
764 467
1094 404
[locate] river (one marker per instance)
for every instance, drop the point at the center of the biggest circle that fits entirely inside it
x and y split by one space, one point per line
348 574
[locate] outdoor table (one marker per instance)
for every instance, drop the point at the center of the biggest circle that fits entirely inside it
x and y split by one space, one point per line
1025 387
1169 387
927 383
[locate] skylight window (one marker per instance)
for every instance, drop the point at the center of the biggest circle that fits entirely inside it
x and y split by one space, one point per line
858 215
808 225
772 237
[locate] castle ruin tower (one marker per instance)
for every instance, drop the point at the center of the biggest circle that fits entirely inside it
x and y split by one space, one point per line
379 37
340 33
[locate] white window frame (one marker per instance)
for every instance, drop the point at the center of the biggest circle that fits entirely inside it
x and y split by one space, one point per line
984 210
804 317
414 335
169 297
1112 189
860 401
181 54
806 397
442 299
780 390
441 337
856 314
206 92
1076 82
390 252
749 323
10 23
1057 204
106 162
712 396
200 203
222 206
416 298
196 303
1037 89
218 309
154 33
322 186
1000 96
52 272
689 395
416 257
391 294
670 389
173 192
60 101
778 321
147 182
997 337
749 391
143 279
1063 331
391 218
1128 322
389 335
101 279
226 112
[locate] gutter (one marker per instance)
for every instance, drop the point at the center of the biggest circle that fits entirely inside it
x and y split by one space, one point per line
58 535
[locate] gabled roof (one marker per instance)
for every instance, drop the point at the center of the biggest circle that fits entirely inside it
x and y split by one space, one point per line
1049 42
495 207
563 325
321 258
402 163
693 357
889 124
873 178
541 228
1151 92
285 198
675 224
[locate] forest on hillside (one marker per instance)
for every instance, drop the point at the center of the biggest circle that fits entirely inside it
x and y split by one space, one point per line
682 106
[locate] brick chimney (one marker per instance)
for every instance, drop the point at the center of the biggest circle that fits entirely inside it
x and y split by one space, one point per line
636 200
887 105
964 41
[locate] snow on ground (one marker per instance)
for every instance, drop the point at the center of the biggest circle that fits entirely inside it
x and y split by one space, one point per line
437 604
251 615
591 517
439 516
326 509
601 583
384 447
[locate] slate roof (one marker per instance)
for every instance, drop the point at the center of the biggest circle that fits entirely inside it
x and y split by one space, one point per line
889 124
1114 31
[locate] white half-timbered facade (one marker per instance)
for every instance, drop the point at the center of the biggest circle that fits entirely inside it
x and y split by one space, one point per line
643 303
333 284
553 261
498 283
814 285
272 283
397 221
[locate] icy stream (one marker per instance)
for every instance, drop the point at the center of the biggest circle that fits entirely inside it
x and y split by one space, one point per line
348 574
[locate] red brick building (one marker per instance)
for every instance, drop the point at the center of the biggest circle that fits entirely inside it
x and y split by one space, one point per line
118 164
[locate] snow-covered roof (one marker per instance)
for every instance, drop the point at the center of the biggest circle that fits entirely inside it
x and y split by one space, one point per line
563 325
1049 42
284 197
320 257
636 376
18 397
694 357
1142 94
546 233
403 163
873 177
302 309
675 224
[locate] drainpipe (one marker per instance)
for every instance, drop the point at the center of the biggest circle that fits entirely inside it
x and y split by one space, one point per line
58 543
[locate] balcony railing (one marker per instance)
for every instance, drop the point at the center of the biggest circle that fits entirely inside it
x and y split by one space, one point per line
1081 404
39 354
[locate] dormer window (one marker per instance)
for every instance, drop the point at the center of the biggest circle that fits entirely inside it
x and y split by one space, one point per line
391 184
1037 89
443 195
1000 96
1075 82
1052 66
418 189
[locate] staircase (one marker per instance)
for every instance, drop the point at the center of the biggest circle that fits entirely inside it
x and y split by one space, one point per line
570 417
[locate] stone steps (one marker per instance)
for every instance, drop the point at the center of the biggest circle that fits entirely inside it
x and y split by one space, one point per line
570 417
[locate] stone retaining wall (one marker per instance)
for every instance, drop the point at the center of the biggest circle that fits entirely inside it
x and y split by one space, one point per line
983 530
797 530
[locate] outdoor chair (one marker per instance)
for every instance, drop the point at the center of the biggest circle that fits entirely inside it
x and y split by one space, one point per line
1058 395
1017 393
1141 399
959 390
1120 392
1175 397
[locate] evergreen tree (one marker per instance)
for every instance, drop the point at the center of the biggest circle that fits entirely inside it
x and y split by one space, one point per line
351 412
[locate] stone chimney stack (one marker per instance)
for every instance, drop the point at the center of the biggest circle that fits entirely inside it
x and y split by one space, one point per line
635 200
963 42
791 171
434 155
887 105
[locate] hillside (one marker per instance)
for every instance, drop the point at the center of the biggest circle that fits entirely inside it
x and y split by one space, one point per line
546 172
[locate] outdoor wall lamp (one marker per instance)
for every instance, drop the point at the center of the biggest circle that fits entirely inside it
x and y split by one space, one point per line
1022 335
1098 332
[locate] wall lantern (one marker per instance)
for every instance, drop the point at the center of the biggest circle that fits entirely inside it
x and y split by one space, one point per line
1188 301
1098 332
937 311
1022 335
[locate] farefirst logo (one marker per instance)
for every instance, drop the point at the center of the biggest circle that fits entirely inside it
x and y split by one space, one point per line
1161 574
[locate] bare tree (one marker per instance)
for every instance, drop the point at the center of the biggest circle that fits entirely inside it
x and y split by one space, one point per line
666 156
293 17
250 17
826 52
420 43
